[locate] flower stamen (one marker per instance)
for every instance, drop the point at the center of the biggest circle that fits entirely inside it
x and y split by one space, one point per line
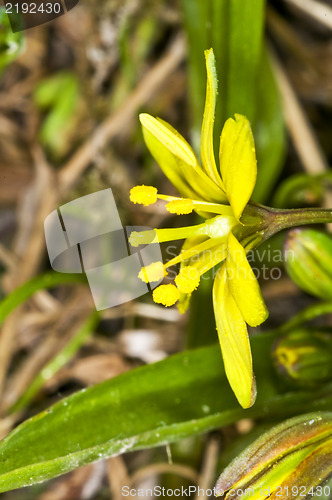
153 272
188 279
143 195
182 206
137 238
192 252
147 195
166 295
216 228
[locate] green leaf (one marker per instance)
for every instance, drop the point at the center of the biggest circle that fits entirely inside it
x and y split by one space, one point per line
234 29
24 292
183 395
11 44
235 32
298 191
196 18
60 93
245 41
269 132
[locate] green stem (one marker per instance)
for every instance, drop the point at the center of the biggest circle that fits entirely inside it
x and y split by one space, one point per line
275 220
300 217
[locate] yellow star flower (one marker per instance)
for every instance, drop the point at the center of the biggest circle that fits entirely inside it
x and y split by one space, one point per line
231 228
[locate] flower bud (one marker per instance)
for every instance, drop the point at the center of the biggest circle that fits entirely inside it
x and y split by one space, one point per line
304 356
291 460
308 261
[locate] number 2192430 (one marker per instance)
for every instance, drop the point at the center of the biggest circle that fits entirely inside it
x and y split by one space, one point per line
32 8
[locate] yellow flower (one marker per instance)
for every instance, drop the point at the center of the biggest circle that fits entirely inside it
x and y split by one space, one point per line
231 228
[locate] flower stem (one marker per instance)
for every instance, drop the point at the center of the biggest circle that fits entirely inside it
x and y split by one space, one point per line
300 217
277 219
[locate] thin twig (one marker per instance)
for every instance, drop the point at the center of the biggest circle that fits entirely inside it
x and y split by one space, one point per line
68 324
8 331
151 311
118 476
316 10
163 468
304 138
7 258
207 473
40 200
289 38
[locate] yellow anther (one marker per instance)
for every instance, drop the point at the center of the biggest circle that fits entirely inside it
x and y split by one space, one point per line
166 295
134 239
188 279
180 207
143 237
144 195
152 272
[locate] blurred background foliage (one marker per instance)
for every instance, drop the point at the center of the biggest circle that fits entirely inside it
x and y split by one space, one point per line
11 44
70 94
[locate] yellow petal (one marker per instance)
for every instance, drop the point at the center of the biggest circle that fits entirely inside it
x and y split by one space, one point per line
178 161
234 341
243 284
238 164
211 258
201 253
207 153
169 137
